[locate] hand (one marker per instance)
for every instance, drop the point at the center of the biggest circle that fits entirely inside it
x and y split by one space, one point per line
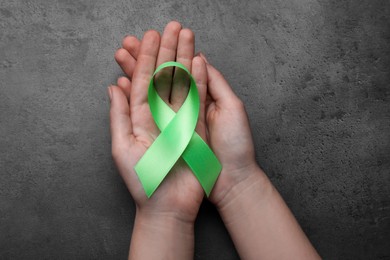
133 128
227 125
269 225
230 138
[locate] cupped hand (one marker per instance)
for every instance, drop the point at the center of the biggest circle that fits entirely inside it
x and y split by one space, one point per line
132 127
229 135
227 126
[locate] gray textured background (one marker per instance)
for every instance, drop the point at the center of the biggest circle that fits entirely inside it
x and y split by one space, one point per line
314 75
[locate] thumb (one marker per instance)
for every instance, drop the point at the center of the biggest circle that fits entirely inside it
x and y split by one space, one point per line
120 121
219 88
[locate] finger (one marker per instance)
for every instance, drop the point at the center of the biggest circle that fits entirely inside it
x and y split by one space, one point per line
199 72
209 99
132 45
185 53
144 69
125 85
169 42
203 57
185 48
218 88
120 123
166 53
125 61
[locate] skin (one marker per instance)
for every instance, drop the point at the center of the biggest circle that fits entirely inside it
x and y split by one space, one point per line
164 223
171 211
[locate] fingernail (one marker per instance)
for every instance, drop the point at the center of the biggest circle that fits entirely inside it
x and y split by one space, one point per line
203 57
109 90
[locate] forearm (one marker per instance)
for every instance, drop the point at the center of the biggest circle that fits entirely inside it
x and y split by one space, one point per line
157 236
260 223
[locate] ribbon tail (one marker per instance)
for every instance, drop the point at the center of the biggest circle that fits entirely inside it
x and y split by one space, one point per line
151 171
203 163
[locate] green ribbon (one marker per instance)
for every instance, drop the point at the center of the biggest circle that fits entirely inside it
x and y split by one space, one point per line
177 139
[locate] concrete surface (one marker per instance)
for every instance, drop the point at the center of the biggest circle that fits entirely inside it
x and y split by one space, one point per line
315 78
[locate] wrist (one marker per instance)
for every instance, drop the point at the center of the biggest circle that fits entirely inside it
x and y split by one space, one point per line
158 235
159 218
253 186
180 208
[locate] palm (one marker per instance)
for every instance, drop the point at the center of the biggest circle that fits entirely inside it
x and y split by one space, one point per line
180 190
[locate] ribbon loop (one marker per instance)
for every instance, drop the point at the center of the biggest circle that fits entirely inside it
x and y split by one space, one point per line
177 139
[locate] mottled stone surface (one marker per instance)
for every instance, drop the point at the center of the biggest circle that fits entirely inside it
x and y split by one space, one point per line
315 78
